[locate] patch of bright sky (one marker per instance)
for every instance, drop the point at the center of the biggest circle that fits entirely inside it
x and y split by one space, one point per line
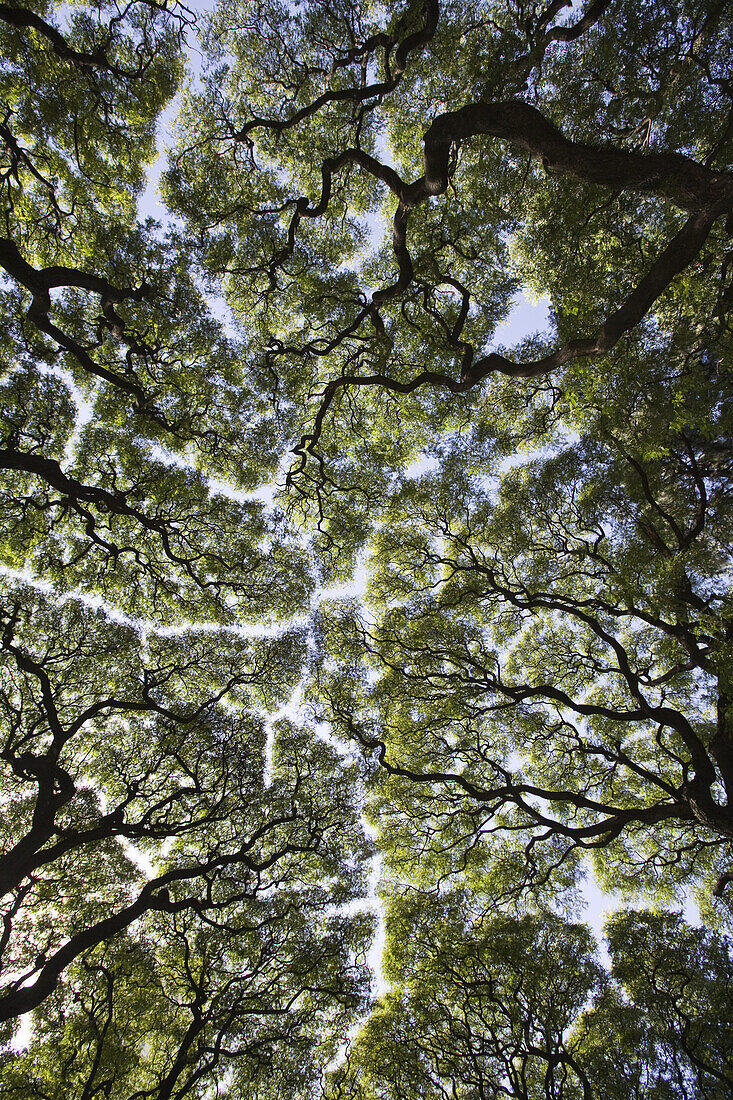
149 203
84 407
526 317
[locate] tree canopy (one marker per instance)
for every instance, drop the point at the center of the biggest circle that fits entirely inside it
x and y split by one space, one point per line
308 579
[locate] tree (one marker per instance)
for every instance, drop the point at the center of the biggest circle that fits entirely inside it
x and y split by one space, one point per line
552 653
615 587
485 1005
523 126
175 867
146 848
542 666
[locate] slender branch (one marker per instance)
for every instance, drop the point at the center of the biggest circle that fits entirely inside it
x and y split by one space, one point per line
394 73
82 59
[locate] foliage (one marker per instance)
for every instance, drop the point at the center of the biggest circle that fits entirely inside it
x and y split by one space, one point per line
550 644
206 424
487 1005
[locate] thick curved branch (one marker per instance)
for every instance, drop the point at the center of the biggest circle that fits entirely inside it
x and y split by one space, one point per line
48 278
79 494
588 19
681 250
678 254
154 895
40 282
55 787
706 194
723 880
671 176
699 789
